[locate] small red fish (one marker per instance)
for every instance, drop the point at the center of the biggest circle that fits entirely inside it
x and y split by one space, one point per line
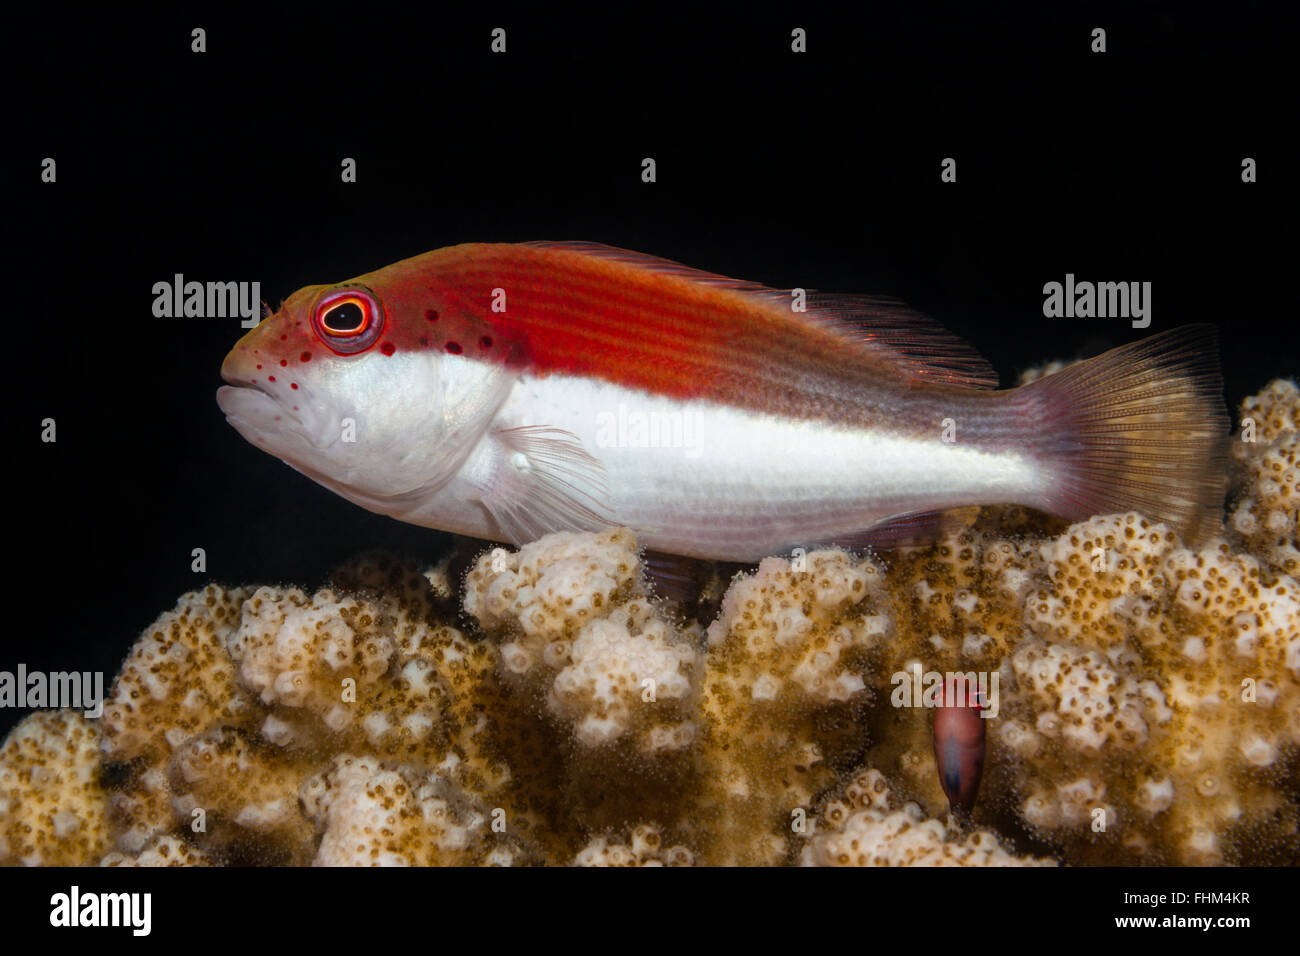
959 746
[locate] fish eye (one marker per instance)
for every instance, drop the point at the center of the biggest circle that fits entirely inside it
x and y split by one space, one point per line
348 320
343 318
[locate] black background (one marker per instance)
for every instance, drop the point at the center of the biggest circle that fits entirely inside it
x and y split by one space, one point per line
818 170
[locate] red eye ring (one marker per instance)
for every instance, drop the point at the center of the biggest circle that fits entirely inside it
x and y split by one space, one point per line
348 320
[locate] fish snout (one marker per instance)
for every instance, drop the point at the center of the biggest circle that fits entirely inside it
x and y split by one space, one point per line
239 367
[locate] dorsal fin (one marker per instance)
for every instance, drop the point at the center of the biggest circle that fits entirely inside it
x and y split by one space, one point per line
910 342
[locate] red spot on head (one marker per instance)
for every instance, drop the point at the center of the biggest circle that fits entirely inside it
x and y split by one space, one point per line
388 348
283 362
485 342
295 408
284 338
293 385
270 378
305 357
431 315
453 348
259 367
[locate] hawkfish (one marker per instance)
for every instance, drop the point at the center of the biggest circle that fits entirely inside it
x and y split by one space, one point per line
505 391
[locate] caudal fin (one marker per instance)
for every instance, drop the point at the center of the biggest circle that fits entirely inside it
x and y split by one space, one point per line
1139 428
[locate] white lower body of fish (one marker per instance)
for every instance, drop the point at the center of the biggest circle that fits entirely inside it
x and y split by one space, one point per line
705 480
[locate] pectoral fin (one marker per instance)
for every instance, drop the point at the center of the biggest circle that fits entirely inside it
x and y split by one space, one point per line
545 481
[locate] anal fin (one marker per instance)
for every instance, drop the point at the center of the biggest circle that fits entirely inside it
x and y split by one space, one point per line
672 576
917 529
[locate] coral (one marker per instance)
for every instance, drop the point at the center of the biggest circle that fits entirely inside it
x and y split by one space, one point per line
1146 705
1165 695
753 704
177 679
165 850
237 714
372 816
1266 513
857 828
52 805
580 633
644 847
781 691
1150 694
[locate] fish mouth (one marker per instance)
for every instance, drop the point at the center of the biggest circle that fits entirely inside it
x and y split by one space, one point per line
251 409
251 406
240 390
227 395
264 415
